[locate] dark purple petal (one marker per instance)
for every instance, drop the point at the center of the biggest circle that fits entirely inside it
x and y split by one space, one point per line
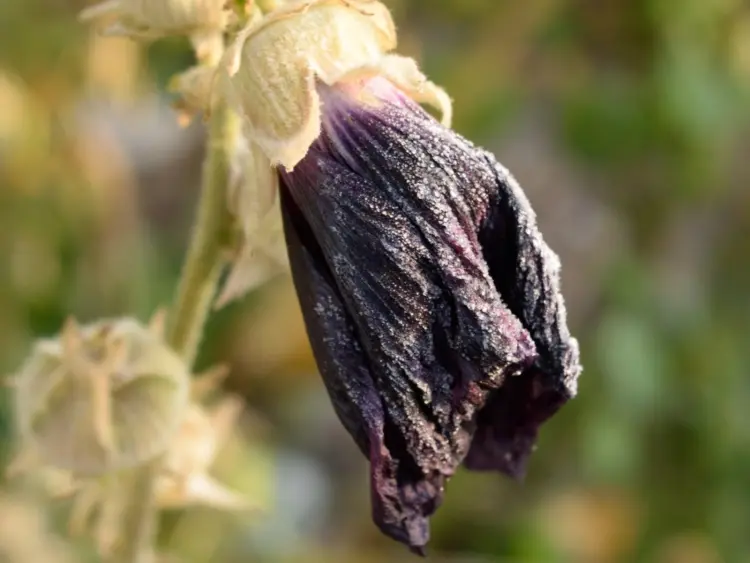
352 390
526 273
403 241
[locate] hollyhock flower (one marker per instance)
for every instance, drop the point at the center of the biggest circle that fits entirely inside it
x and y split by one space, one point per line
431 301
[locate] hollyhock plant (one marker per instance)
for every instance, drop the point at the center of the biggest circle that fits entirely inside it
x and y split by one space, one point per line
431 301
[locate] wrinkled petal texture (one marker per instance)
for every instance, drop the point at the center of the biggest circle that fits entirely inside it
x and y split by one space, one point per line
430 299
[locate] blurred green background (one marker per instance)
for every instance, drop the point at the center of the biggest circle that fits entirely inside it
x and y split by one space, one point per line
627 122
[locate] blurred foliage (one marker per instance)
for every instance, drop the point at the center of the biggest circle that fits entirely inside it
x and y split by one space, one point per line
628 122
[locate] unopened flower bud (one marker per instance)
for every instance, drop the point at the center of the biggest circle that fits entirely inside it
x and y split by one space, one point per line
100 398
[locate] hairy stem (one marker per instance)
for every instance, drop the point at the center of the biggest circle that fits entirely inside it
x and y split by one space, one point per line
200 275
205 258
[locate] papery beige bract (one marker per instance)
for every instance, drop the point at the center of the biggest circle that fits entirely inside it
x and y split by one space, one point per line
195 88
273 67
202 20
253 200
185 478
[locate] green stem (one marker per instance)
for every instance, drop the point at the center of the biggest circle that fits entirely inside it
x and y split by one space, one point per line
197 288
206 258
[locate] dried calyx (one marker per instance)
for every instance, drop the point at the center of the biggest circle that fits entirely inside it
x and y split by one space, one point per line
204 21
101 401
184 479
271 77
101 398
273 67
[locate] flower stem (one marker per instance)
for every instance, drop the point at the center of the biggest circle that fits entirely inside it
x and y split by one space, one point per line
206 258
200 276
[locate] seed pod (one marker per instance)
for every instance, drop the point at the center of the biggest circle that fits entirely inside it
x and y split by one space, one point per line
105 397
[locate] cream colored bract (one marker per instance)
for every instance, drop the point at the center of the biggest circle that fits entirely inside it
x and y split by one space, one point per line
204 21
274 64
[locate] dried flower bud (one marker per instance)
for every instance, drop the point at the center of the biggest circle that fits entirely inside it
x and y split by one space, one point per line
274 66
203 20
104 397
431 299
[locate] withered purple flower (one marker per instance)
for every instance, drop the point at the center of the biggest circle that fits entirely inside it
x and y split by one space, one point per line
431 301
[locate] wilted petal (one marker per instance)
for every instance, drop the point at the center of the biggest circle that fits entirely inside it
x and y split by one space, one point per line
353 391
526 273
409 329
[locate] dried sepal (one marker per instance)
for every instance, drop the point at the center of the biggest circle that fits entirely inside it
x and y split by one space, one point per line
157 324
202 20
100 398
253 201
404 73
195 88
161 16
185 479
207 382
273 68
